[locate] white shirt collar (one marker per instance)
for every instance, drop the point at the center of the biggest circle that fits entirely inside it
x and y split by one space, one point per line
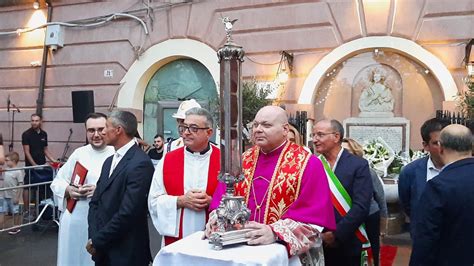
118 155
333 168
198 155
337 159
125 148
431 170
431 165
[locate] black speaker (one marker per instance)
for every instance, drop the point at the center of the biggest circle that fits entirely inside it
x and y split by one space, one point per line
82 105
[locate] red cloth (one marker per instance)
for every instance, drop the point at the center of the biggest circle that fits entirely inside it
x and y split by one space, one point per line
173 179
387 255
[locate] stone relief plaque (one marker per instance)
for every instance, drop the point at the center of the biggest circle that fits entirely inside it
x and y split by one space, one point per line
393 135
394 131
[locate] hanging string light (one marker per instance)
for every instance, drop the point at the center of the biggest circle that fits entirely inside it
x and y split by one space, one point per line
331 76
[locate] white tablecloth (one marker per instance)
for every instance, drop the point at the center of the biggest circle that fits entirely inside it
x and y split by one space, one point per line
194 251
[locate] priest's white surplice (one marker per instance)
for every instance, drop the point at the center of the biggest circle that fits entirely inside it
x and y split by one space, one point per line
162 207
73 234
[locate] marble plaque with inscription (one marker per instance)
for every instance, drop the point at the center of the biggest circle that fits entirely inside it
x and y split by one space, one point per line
394 131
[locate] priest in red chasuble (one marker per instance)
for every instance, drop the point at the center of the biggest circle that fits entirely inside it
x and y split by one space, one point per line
285 188
185 179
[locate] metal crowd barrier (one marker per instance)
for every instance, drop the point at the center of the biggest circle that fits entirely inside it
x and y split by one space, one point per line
37 181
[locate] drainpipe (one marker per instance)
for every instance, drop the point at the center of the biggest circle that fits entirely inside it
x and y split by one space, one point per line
44 62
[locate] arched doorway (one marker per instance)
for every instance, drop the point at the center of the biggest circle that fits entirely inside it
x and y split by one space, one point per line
132 93
178 80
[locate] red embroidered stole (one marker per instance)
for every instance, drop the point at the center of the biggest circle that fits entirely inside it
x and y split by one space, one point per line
284 187
173 179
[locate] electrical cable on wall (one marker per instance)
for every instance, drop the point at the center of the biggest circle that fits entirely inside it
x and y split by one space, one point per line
263 64
67 24
149 8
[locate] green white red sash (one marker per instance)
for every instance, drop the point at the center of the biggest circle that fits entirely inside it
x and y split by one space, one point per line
342 201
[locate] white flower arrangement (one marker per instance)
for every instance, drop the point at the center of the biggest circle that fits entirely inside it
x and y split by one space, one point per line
380 155
384 160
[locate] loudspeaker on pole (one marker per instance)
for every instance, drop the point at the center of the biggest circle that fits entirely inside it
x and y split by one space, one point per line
82 105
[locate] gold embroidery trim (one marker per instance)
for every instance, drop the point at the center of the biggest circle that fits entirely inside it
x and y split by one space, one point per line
272 183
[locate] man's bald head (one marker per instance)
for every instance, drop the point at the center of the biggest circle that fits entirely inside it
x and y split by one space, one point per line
276 111
270 128
457 138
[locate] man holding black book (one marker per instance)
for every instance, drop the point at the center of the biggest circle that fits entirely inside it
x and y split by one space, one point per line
72 237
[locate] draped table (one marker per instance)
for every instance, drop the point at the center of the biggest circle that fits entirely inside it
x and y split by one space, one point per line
192 250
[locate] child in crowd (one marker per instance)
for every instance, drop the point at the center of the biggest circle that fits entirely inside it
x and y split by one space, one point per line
11 197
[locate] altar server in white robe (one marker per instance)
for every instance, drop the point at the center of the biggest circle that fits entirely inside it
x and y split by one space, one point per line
185 179
73 235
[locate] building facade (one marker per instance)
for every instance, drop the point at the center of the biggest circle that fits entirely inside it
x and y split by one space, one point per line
146 56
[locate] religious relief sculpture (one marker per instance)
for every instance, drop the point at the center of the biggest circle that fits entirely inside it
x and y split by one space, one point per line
377 97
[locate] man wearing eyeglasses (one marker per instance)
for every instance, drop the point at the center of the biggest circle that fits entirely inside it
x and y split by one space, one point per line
185 180
72 236
351 190
180 116
415 175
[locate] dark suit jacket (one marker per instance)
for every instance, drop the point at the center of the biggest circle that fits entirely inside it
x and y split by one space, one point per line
444 232
353 173
118 211
411 183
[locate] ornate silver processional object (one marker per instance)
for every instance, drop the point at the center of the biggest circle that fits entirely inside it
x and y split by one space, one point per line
232 214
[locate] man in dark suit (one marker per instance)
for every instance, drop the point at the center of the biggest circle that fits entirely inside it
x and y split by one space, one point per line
413 177
444 234
342 247
118 229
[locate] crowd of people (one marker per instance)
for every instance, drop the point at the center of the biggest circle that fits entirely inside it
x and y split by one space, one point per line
324 207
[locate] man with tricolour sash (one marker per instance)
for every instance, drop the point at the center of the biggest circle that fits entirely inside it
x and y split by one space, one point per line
351 190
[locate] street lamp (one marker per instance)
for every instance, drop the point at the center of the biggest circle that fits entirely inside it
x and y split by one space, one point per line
284 67
469 78
469 63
